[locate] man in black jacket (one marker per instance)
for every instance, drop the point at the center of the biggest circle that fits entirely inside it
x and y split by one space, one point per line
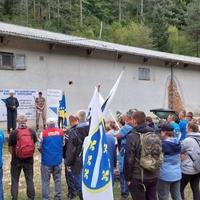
73 154
73 121
141 182
11 104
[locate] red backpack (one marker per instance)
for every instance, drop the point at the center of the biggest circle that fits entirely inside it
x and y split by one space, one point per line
25 145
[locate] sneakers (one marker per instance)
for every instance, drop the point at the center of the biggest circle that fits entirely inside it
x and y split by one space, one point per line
124 196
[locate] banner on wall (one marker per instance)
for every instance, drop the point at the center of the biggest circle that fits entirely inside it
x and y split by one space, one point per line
53 98
26 100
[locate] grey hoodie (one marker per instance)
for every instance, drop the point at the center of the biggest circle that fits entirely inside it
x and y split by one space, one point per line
190 147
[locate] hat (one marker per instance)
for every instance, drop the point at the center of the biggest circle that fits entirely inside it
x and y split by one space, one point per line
22 119
11 91
51 120
167 127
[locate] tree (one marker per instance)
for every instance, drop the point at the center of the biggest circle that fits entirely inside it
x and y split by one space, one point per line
179 42
159 30
193 22
132 34
172 11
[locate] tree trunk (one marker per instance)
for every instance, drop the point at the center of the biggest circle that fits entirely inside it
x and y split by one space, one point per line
81 12
34 11
49 10
27 13
100 31
120 10
24 12
141 9
58 9
197 44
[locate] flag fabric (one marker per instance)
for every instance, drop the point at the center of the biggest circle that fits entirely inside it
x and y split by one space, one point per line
96 177
106 105
90 104
63 110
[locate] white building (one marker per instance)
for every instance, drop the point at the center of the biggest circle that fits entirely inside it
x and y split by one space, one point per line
38 59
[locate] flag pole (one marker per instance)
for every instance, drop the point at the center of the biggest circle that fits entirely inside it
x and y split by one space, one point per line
111 114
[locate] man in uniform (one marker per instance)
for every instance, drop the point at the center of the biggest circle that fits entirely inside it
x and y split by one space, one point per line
40 110
11 104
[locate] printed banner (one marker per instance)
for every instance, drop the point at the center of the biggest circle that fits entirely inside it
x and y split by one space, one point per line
53 99
26 100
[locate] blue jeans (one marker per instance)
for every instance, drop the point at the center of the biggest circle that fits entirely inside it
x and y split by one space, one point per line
70 183
164 188
123 185
78 183
46 175
1 184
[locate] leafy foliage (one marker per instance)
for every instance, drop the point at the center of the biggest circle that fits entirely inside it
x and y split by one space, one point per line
165 25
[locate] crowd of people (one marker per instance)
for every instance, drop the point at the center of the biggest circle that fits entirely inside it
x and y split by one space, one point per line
151 160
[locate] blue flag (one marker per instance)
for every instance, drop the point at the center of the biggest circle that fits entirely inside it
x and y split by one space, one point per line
62 110
96 179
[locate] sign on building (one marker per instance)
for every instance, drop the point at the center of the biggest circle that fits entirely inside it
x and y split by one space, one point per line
26 100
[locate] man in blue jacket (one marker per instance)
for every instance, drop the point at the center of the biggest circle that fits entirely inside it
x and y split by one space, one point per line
183 124
124 131
51 148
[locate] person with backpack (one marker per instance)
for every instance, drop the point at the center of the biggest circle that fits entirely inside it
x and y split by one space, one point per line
170 172
124 131
190 157
21 144
1 164
143 159
73 155
51 148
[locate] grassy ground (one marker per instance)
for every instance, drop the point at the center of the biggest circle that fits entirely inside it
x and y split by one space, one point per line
22 185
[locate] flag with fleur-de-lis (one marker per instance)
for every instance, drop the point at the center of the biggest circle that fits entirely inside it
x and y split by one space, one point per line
96 177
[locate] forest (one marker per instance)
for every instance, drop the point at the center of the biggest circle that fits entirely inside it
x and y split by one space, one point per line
164 25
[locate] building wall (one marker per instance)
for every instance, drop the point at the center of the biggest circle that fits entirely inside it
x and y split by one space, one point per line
53 68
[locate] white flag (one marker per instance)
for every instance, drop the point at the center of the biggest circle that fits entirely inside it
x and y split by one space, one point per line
97 178
106 105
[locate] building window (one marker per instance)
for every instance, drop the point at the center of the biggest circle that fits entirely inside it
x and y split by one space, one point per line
6 60
20 61
144 74
12 61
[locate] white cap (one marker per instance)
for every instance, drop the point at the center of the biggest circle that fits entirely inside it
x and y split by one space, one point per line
51 121
11 91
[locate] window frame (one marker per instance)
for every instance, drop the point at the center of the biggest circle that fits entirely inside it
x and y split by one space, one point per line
14 65
144 74
2 65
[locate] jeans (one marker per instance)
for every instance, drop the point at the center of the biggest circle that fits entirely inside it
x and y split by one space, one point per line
137 189
46 175
28 173
123 185
78 183
164 188
70 183
194 183
1 184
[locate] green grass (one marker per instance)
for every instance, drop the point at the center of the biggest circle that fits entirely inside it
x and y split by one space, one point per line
37 181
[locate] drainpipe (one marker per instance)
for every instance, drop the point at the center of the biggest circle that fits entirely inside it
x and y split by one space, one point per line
172 87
